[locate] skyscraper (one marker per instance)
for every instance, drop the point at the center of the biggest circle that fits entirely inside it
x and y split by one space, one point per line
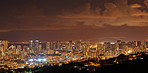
51 45
138 43
36 45
70 45
78 45
31 46
48 45
5 43
146 45
2 49
18 46
58 45
40 47
18 49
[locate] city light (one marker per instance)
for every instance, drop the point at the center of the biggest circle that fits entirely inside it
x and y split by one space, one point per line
44 59
129 51
39 60
30 60
39 56
76 36
102 43
112 43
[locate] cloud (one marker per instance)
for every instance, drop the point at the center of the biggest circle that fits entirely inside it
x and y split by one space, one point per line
47 16
4 30
136 6
146 3
83 11
111 10
116 14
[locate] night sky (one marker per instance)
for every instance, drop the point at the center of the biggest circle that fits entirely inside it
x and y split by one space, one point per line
98 20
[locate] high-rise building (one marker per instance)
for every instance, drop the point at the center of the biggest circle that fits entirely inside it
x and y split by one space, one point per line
51 45
78 45
50 51
3 46
129 44
48 45
70 46
138 43
0 42
2 49
120 44
5 43
92 52
87 48
146 45
18 49
36 45
54 46
58 45
31 46
40 47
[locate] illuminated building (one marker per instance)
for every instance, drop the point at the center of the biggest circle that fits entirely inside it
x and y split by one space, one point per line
73 48
146 45
54 46
40 47
36 45
101 49
107 45
78 45
18 49
3 46
48 45
50 51
120 44
0 42
70 46
92 52
51 45
87 45
5 43
58 45
129 44
138 43
31 46
2 49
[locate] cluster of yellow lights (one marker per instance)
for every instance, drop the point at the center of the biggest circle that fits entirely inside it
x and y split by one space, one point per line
129 51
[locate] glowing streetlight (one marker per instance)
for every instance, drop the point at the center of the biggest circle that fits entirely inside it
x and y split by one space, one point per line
129 51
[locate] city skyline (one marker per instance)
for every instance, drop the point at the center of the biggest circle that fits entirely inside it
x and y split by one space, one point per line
96 20
73 36
35 55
